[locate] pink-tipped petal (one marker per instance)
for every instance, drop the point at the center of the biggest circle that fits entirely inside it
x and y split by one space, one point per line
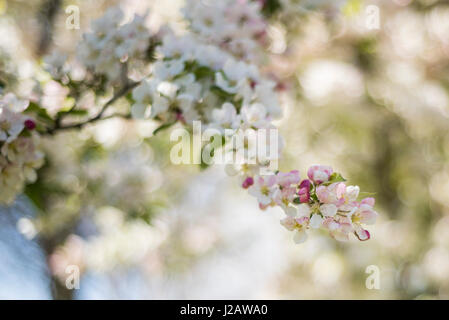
369 201
362 234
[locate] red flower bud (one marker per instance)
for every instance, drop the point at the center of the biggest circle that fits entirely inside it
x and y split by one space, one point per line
248 183
30 124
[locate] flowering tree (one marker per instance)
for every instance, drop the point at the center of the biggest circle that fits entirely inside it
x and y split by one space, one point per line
213 74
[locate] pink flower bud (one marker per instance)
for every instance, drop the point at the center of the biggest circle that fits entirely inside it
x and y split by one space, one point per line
180 117
248 183
304 191
30 124
252 83
305 184
319 173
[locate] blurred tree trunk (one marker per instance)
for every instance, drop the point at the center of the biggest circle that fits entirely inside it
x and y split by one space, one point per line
49 244
46 17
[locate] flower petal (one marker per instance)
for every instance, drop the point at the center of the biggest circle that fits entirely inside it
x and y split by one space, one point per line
328 210
316 221
303 210
300 237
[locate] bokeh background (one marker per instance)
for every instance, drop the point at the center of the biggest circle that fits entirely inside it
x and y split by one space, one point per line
371 102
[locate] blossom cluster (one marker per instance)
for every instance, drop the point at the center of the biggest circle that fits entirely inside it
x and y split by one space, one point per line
205 75
321 201
194 77
236 26
195 81
110 44
19 155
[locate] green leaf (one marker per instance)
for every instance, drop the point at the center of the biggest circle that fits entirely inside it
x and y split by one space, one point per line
91 151
335 177
69 103
367 194
203 72
270 7
35 196
79 113
221 93
40 113
130 99
73 113
142 212
25 133
163 127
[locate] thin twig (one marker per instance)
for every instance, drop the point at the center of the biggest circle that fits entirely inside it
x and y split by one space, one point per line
117 96
99 116
93 120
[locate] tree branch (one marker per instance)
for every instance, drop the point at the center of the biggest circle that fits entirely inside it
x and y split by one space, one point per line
99 116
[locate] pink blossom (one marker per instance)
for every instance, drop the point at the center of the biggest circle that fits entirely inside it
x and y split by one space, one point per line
297 224
332 193
364 213
344 197
339 229
284 196
286 179
289 223
264 189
